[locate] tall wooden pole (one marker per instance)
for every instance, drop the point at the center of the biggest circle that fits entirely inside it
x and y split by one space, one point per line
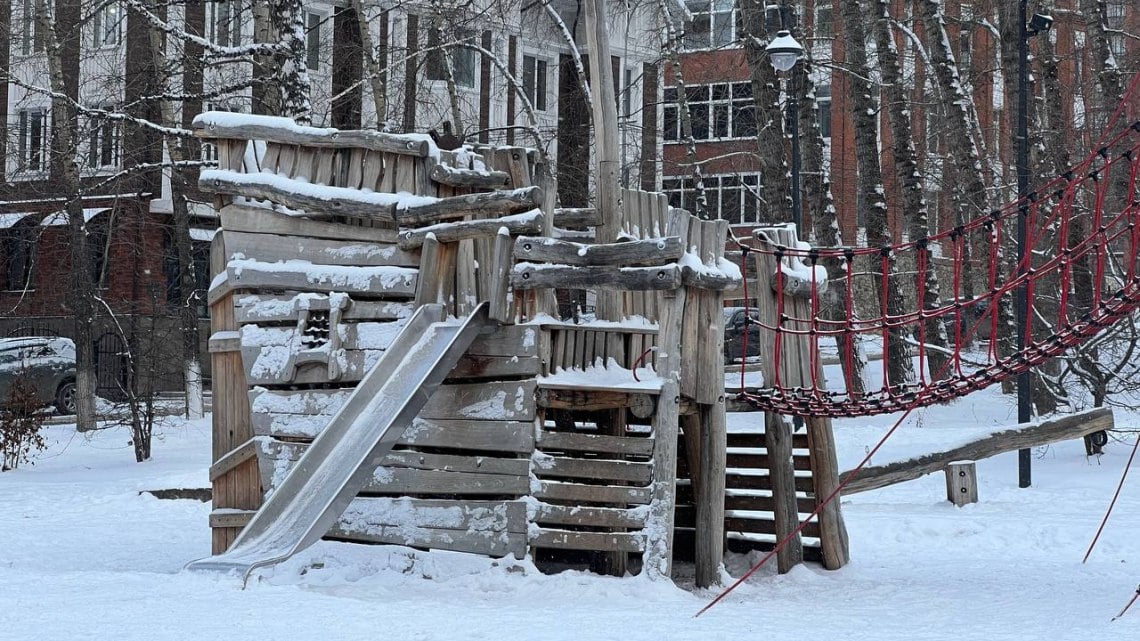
606 149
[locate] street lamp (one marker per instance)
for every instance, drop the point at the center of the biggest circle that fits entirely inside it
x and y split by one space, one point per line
785 52
1040 23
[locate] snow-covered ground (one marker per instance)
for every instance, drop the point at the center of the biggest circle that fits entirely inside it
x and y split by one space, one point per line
84 555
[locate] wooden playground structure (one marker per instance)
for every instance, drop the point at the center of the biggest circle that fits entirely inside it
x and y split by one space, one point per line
389 365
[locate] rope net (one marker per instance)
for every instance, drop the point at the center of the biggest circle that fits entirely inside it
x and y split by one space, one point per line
1079 271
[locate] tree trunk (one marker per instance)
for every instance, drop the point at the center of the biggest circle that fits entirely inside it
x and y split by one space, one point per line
60 24
900 368
372 67
774 190
825 227
672 53
913 198
288 18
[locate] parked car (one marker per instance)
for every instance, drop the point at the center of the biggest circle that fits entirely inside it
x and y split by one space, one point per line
48 362
736 323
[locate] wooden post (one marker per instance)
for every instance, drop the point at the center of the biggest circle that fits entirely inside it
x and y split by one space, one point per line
710 473
962 483
606 130
659 550
825 478
778 433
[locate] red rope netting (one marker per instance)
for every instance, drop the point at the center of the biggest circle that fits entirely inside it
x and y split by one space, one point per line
1079 270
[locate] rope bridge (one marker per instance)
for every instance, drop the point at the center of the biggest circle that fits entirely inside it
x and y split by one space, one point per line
1079 271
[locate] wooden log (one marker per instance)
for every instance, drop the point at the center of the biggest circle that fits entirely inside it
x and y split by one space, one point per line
501 278
285 131
576 217
483 436
657 251
317 201
545 466
833 543
599 443
282 308
658 557
547 514
470 178
489 204
581 493
395 282
227 341
961 482
584 400
534 276
262 220
1022 437
603 541
524 223
710 522
271 248
430 274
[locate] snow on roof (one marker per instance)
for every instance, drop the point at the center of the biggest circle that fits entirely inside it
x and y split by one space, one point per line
10 220
204 235
59 218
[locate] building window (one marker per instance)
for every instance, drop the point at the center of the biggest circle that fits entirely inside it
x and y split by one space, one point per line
98 247
32 130
223 22
534 81
19 244
104 144
462 58
823 103
965 53
720 111
106 24
732 197
824 27
713 25
313 40
32 39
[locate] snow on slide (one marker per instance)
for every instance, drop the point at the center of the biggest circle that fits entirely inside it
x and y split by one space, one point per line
342 458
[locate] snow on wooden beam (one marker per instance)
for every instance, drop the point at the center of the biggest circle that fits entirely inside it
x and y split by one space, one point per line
527 222
1020 437
655 251
220 124
489 204
535 276
317 201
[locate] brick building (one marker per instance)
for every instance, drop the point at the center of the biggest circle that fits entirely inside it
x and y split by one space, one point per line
719 94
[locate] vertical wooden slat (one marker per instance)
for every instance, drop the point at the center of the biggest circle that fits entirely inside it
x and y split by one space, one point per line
372 167
427 286
500 309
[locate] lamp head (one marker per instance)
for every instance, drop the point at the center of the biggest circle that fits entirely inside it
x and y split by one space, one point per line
784 51
1039 23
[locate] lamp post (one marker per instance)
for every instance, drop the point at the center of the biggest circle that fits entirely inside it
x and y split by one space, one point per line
1038 24
785 52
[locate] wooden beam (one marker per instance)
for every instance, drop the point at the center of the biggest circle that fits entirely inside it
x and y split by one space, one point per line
525 223
485 205
470 178
285 131
535 276
1022 437
317 201
655 251
577 217
262 220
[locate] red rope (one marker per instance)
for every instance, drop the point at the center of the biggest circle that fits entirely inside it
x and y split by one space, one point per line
1112 504
1126 608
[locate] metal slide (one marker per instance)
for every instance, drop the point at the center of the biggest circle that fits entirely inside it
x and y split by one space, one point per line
343 457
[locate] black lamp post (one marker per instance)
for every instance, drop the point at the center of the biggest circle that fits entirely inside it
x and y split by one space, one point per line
1038 24
785 52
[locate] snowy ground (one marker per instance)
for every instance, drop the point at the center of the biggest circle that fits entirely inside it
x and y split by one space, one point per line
84 556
